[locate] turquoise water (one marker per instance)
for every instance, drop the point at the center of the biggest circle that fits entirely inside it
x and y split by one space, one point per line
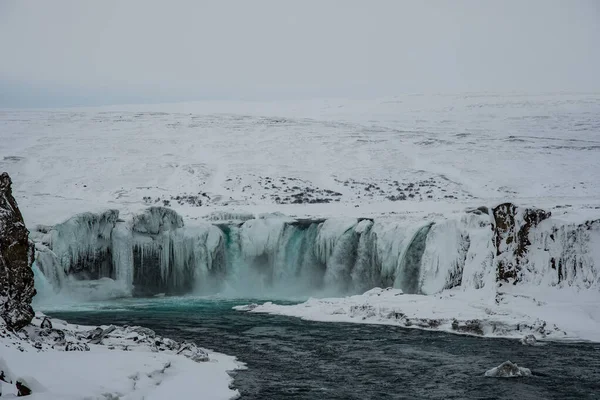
288 358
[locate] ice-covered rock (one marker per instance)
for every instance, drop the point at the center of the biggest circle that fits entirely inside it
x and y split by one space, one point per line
16 258
193 352
98 334
229 216
156 219
508 370
71 346
529 340
246 307
511 237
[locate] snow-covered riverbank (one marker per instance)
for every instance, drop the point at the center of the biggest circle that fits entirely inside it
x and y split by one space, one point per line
56 360
551 314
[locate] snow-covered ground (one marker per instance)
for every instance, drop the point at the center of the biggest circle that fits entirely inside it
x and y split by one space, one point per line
547 314
78 362
438 152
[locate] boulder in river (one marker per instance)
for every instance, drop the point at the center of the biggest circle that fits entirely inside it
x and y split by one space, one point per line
508 370
529 340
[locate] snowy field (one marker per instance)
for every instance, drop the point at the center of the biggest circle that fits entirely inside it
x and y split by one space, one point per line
326 157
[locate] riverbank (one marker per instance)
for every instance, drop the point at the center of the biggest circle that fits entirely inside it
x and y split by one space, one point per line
57 360
546 313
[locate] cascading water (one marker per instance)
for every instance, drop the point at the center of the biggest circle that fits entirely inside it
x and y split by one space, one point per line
274 255
43 287
410 264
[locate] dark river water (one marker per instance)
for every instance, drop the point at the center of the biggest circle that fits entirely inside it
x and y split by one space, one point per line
288 358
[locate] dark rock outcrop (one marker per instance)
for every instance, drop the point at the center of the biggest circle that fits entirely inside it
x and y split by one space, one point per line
511 237
46 324
16 257
22 389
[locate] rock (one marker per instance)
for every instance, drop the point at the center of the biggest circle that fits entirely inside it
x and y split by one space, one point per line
470 326
511 238
72 346
22 390
57 335
98 334
193 352
46 323
528 340
16 257
508 370
95 333
142 331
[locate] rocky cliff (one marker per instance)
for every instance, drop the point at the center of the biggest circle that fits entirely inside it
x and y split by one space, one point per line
16 257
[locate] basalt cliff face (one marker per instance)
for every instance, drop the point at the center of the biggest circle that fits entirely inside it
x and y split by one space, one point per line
16 257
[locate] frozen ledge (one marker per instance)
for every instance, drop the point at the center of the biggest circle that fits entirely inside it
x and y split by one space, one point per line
555 314
56 360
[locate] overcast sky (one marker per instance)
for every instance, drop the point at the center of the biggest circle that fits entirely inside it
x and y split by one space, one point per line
114 51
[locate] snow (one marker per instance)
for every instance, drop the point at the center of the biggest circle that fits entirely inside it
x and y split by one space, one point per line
546 313
539 149
108 370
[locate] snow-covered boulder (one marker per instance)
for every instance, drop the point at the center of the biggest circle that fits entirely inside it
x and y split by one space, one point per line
529 340
508 370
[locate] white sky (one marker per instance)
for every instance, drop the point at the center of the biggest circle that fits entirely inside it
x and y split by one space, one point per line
101 51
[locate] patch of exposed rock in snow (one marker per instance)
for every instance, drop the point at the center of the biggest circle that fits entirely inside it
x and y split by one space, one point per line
56 360
551 316
508 370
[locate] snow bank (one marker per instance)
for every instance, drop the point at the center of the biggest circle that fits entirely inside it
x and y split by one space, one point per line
74 362
555 314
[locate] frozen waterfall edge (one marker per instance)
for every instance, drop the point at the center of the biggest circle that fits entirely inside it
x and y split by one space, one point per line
154 252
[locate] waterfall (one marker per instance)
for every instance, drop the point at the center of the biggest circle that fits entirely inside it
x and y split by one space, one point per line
410 264
153 252
44 289
122 245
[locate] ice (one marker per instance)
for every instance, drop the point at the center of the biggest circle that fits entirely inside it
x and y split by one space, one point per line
444 256
409 268
83 241
280 254
122 254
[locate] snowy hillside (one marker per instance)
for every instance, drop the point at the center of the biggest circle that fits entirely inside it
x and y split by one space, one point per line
401 153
